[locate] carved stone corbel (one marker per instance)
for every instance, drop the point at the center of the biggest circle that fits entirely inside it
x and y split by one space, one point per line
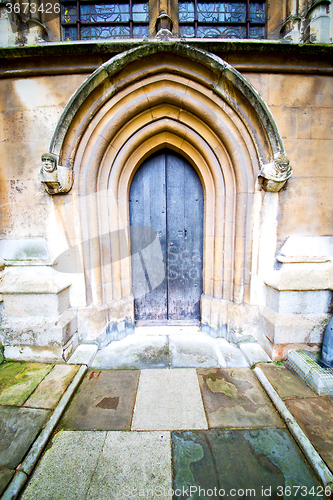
56 178
276 174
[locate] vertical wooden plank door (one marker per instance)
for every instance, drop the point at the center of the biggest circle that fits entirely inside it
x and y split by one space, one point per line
166 195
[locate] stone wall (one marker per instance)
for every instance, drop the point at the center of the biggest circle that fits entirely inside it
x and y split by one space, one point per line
299 95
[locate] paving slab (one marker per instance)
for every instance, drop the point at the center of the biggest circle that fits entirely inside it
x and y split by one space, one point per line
240 464
254 353
286 383
194 351
234 398
19 380
167 400
104 401
83 354
5 477
133 465
67 467
233 355
50 390
315 416
134 352
99 465
18 429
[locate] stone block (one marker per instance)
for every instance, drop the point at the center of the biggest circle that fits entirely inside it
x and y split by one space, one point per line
99 465
49 391
233 397
233 355
104 401
83 354
299 302
47 354
31 304
292 328
19 427
253 463
167 400
315 416
133 353
254 353
193 351
19 380
103 323
38 330
286 383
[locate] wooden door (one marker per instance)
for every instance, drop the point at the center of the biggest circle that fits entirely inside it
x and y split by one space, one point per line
166 194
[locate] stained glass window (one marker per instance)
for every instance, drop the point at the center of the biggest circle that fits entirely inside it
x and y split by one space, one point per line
91 20
232 19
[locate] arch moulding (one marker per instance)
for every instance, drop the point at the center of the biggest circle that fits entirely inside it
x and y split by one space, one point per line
148 98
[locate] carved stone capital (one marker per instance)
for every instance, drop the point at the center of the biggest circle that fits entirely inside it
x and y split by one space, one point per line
276 173
56 178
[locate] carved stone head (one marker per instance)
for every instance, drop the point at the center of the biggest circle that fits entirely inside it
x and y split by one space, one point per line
49 162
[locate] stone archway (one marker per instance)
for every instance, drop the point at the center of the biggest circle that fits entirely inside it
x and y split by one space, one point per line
149 98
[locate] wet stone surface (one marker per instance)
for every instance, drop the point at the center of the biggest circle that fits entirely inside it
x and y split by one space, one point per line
19 380
286 383
240 464
234 398
315 416
5 477
18 429
104 401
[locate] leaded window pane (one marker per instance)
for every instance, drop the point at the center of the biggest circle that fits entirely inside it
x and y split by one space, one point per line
140 12
101 20
257 12
97 32
101 13
229 19
221 12
140 31
69 14
186 11
221 32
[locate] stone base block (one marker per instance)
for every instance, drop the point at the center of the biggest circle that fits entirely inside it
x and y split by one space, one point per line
224 319
39 330
292 328
278 352
33 304
101 324
34 354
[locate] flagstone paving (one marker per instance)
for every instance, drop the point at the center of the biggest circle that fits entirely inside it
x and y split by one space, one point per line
239 464
167 400
188 351
5 477
99 465
19 380
50 390
104 401
18 429
244 445
315 416
286 383
235 398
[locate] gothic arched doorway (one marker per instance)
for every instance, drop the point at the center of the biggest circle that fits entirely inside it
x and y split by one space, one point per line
166 194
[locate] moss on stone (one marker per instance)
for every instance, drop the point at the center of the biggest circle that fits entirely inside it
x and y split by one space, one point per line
19 380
